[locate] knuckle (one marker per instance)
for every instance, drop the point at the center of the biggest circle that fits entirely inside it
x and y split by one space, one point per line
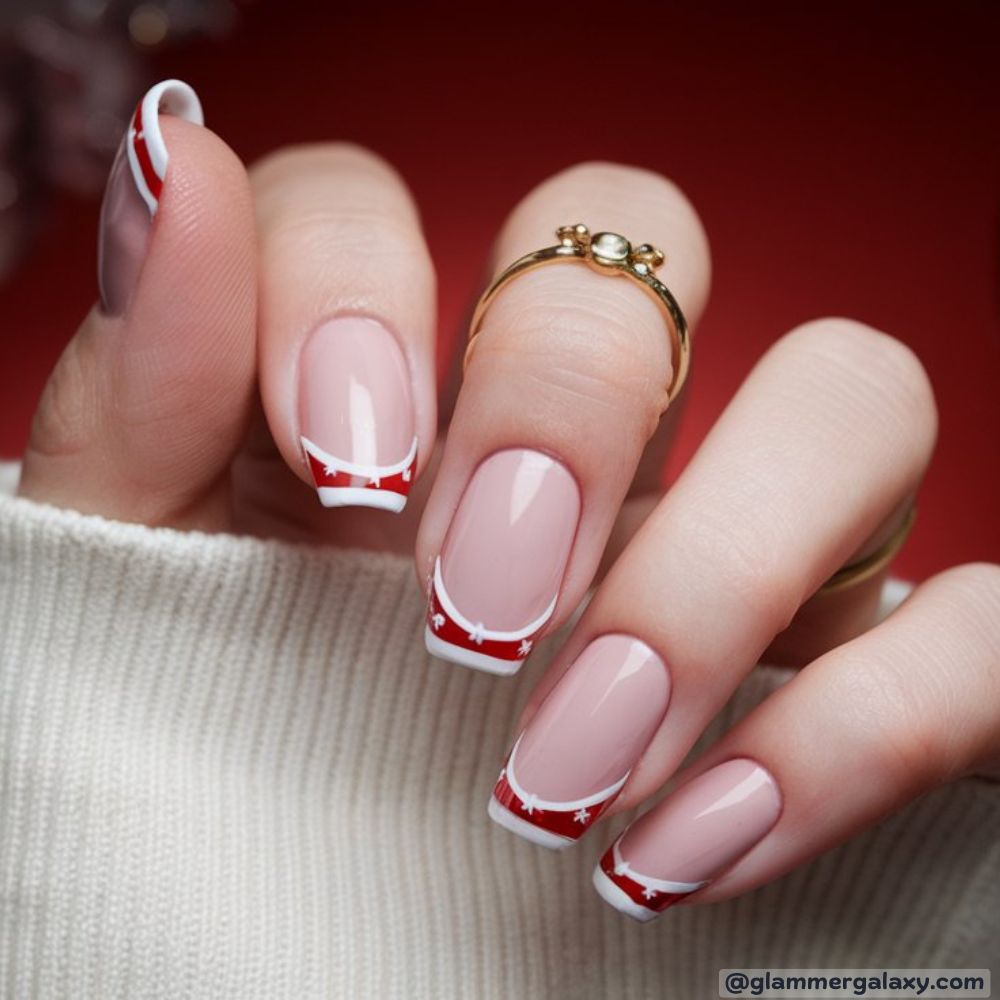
583 338
913 741
887 363
635 201
317 158
335 198
620 197
968 600
879 370
363 234
910 680
362 258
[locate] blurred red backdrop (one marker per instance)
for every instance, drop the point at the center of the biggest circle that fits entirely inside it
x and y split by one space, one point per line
845 161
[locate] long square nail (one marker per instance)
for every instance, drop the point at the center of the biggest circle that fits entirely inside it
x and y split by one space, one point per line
356 415
497 579
689 839
578 749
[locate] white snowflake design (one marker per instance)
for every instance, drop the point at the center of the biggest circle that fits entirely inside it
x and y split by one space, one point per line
330 470
525 647
530 805
478 633
437 620
581 816
649 893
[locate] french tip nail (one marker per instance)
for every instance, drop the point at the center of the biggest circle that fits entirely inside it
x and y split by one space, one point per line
498 576
133 191
147 152
356 414
561 777
690 838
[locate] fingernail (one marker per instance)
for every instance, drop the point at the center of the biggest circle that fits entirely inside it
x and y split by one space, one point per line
356 415
577 751
689 839
132 195
498 576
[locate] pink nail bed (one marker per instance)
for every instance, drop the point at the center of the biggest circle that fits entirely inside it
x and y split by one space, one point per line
689 839
576 753
356 415
500 570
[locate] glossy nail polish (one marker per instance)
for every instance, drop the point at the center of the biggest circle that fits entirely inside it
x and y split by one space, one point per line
356 415
579 748
497 579
689 839
132 196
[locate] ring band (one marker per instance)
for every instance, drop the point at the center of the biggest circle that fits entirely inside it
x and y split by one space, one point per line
607 253
864 569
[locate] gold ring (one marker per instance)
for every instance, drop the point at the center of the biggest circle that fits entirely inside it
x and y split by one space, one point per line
864 569
607 253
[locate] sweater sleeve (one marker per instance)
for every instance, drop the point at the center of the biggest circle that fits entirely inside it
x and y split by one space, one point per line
228 769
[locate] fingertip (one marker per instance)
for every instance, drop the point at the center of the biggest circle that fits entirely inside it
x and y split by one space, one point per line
346 323
165 368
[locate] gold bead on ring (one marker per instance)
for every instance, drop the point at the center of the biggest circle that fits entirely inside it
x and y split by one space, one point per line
607 253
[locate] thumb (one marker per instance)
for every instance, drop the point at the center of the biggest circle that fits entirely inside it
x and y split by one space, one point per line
150 400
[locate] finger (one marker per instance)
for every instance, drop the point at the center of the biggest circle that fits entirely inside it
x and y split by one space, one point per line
150 399
823 442
562 392
911 704
347 323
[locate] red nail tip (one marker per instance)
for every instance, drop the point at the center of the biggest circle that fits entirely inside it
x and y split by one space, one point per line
344 484
147 152
641 894
446 625
566 820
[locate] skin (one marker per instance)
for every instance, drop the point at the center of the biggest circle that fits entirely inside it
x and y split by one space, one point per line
152 417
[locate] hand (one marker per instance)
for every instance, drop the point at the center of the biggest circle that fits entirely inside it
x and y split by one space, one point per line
310 279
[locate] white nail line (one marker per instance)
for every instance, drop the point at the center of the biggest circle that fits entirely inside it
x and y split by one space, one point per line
172 97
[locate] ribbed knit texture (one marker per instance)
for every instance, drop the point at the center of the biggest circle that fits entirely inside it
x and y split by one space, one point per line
229 769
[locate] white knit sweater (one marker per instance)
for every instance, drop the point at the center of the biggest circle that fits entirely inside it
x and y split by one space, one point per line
228 769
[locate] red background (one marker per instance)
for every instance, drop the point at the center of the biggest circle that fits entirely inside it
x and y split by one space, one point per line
844 161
